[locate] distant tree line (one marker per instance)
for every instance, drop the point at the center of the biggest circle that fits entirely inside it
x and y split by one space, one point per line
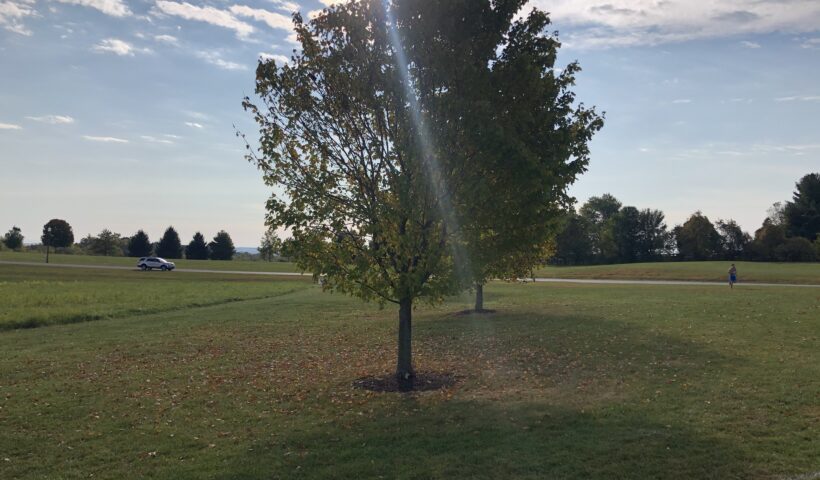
58 236
605 231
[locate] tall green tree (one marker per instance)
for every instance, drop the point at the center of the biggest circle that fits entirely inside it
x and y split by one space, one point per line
573 243
625 229
358 192
197 249
139 245
653 238
13 239
767 239
803 212
106 243
599 212
169 245
270 245
57 233
733 239
697 238
221 248
505 119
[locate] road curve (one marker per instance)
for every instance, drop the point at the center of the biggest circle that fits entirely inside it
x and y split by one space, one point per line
537 279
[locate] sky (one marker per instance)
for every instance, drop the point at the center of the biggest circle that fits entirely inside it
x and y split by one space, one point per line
121 114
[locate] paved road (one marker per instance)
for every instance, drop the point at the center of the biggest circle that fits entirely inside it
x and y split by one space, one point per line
553 280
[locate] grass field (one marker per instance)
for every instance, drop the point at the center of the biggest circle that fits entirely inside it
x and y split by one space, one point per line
241 265
748 272
564 381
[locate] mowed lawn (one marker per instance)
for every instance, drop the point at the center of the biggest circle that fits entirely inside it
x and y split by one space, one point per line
563 381
37 296
748 272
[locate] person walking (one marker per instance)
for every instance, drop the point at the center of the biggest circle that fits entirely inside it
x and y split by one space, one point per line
732 276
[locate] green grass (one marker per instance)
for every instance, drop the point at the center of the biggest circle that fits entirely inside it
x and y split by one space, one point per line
748 272
36 296
564 381
240 265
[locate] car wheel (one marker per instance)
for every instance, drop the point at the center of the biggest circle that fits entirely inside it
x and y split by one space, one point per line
143 267
163 268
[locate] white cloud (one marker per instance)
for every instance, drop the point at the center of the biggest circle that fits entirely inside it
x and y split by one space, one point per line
215 58
194 125
280 59
211 15
10 126
679 101
12 13
114 8
804 98
166 39
811 43
613 23
53 119
273 20
152 139
117 47
104 139
749 44
285 5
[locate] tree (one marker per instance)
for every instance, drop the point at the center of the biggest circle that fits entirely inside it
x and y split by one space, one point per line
506 120
652 236
169 245
139 245
13 238
352 183
803 212
599 212
625 227
796 249
767 239
697 238
58 234
573 243
221 248
733 239
270 245
197 249
106 243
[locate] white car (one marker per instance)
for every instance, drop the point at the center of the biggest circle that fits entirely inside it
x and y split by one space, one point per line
150 263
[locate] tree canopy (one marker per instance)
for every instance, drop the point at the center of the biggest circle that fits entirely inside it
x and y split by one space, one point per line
197 249
57 233
270 245
169 245
803 213
139 245
221 248
13 239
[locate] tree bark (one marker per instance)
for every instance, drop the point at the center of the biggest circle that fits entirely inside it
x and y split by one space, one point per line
479 297
404 369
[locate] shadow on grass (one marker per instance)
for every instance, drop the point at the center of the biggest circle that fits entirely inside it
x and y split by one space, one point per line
481 440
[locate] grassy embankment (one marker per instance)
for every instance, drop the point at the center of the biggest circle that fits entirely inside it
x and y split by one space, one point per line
564 381
748 272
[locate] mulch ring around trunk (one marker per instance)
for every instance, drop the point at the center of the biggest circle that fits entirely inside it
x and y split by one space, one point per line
423 382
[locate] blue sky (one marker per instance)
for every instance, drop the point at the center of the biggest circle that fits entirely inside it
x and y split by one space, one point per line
119 114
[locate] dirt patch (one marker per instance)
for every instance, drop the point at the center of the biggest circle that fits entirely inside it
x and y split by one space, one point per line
423 382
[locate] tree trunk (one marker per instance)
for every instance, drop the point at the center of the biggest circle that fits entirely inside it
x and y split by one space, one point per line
404 369
479 297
